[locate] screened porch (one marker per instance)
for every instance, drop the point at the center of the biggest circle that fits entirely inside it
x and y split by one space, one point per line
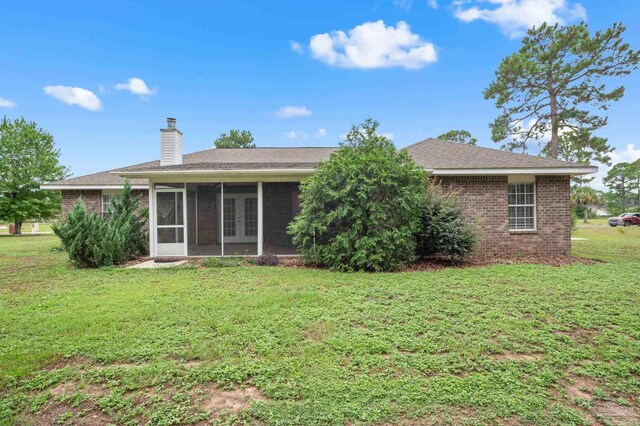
222 218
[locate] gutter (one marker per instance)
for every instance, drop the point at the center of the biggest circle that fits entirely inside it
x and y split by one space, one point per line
154 173
519 171
88 187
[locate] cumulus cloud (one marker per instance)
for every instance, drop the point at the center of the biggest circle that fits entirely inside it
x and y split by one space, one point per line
75 96
137 86
293 111
514 17
293 135
296 47
6 103
320 133
628 154
373 45
433 4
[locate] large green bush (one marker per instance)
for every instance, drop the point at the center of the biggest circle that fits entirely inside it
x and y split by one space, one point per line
361 209
92 241
445 227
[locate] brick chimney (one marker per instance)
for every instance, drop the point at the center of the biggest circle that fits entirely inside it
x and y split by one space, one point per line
170 144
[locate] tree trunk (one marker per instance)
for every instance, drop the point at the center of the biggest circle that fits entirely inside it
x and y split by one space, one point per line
18 227
586 213
554 125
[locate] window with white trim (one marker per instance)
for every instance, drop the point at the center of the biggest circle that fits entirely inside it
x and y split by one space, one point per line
107 203
522 206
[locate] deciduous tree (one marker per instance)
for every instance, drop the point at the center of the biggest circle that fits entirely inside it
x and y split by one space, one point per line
28 159
235 139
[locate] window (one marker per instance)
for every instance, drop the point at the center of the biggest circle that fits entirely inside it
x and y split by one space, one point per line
107 206
522 206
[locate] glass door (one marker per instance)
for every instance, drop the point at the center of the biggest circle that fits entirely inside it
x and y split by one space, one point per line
170 228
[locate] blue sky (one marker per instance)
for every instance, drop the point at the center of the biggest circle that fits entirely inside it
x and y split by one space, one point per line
221 65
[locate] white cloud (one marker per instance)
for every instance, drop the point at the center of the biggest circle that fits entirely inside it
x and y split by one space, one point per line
296 47
373 45
403 4
103 89
293 135
293 111
320 133
515 17
433 4
628 154
75 96
6 103
387 135
137 86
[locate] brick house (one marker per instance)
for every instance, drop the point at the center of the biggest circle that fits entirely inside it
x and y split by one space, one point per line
520 202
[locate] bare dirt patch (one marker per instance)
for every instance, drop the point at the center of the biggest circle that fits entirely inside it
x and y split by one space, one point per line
515 356
86 413
580 387
65 388
579 335
616 414
233 401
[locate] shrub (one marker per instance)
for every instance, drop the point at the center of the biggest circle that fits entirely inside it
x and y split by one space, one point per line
445 228
361 209
267 260
127 217
92 241
87 239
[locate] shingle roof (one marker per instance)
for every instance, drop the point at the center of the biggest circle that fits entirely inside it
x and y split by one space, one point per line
215 159
244 159
433 154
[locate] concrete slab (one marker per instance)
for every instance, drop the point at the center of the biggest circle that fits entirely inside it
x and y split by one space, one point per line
151 264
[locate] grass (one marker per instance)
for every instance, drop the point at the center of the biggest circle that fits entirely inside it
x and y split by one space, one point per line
597 240
514 344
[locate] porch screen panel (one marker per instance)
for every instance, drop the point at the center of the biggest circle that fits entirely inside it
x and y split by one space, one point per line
280 205
204 222
170 223
240 219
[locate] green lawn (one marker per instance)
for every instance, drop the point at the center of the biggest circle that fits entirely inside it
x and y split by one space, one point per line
602 242
505 344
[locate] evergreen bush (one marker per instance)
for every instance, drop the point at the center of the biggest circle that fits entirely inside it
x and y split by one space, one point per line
361 208
92 241
445 228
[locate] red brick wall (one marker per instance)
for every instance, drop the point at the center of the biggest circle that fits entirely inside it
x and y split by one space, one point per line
487 203
93 199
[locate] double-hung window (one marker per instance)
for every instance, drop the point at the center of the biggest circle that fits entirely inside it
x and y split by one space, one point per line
522 206
107 203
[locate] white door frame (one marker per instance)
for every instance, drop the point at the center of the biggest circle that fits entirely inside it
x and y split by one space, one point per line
240 236
170 249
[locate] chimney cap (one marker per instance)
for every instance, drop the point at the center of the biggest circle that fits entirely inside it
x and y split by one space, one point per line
171 122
